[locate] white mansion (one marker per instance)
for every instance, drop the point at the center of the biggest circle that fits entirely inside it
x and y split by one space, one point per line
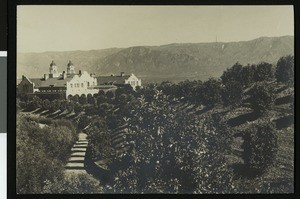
70 83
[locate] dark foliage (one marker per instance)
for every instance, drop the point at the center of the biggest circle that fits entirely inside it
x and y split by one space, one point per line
211 92
285 69
262 97
41 153
232 93
260 147
263 72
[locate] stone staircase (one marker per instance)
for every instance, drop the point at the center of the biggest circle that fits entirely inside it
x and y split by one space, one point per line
76 161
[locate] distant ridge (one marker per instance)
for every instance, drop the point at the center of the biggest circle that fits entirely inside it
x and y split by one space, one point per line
191 60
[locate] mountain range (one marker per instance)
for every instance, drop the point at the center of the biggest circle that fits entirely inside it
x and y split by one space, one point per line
173 62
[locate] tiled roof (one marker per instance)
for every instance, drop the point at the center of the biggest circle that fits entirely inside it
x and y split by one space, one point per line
55 82
103 86
112 79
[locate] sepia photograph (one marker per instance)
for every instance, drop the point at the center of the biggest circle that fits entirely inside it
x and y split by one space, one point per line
144 99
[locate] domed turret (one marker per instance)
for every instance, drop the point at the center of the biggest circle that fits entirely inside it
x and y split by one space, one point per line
70 68
53 69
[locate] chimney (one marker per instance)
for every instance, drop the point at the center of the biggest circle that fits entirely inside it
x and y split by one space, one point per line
79 72
122 74
46 76
23 77
63 75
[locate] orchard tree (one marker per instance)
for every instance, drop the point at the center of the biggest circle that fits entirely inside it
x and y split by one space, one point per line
262 97
83 122
172 152
70 106
55 105
77 108
46 104
264 72
63 105
82 99
109 95
247 75
232 93
126 89
211 92
285 69
260 147
75 98
232 74
101 99
167 87
90 99
121 100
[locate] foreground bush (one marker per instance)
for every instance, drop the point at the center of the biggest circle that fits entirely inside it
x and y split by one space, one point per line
173 152
72 183
41 153
260 147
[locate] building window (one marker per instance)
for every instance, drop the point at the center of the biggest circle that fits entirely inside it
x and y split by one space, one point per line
71 85
88 84
81 84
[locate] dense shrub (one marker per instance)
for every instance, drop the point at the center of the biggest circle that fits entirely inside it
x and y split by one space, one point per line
148 92
260 147
285 69
33 103
232 74
247 75
78 107
90 99
99 137
82 183
264 72
188 90
109 95
211 92
174 152
41 154
83 121
126 89
262 97
70 106
168 88
63 105
82 99
55 105
46 104
232 93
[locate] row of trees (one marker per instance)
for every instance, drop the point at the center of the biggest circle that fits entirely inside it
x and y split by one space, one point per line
176 152
228 90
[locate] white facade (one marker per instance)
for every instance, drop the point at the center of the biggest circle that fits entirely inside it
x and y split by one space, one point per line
81 84
133 81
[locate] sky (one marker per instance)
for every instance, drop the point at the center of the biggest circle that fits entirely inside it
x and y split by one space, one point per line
67 28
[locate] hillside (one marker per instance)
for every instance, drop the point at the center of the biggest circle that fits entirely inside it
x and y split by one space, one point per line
154 63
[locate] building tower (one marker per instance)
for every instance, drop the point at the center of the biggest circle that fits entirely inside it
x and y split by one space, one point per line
53 70
70 68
